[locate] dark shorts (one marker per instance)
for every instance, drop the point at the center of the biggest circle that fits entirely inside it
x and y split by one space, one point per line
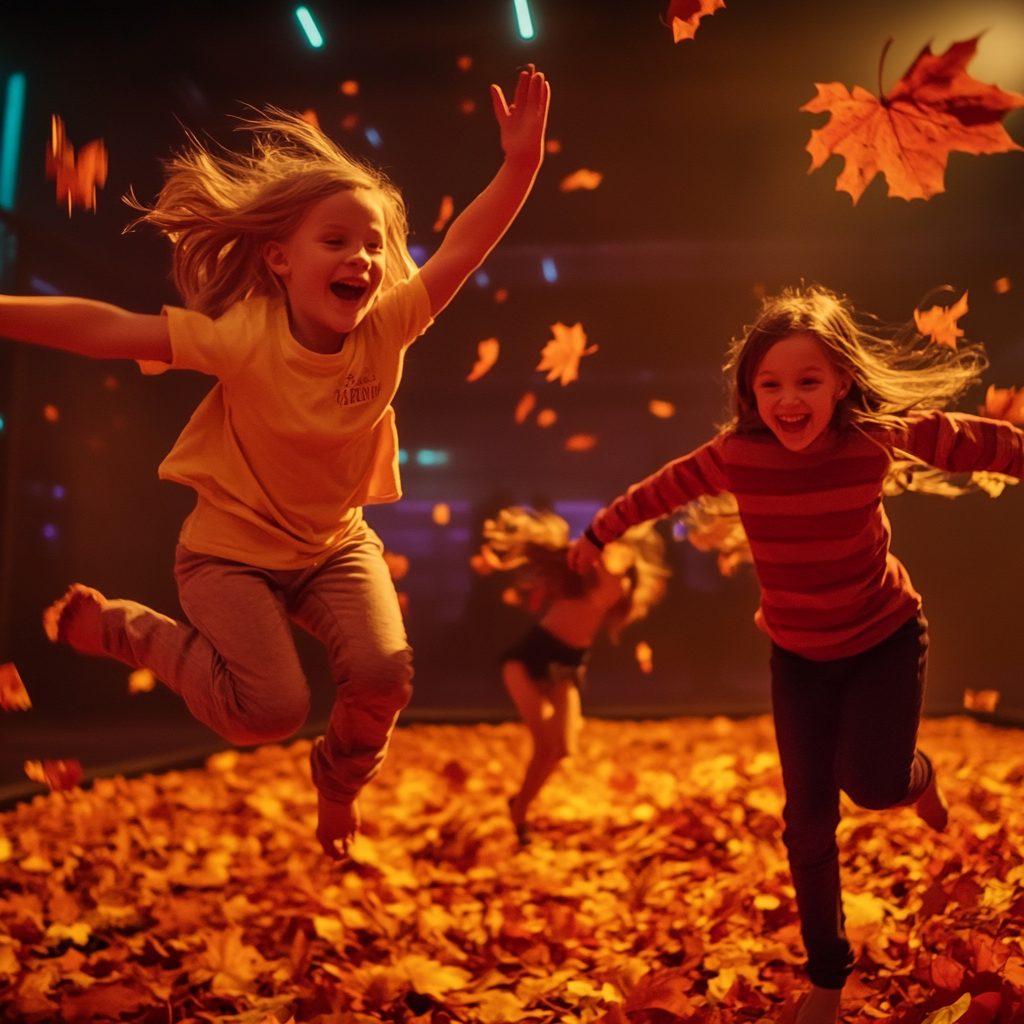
547 659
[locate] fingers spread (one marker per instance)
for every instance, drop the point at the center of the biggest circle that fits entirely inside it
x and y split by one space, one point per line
498 99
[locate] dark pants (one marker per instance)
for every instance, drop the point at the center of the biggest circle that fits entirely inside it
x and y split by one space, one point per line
847 724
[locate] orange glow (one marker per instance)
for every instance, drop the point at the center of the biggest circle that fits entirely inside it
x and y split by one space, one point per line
349 87
51 413
525 406
663 410
580 442
546 417
441 514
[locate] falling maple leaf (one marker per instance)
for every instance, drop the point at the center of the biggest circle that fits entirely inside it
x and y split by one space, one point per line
934 109
398 565
51 413
55 774
663 410
1004 404
581 179
77 177
580 442
644 657
561 355
444 214
981 700
350 87
13 695
525 406
684 16
486 356
546 417
940 322
141 681
1001 285
441 514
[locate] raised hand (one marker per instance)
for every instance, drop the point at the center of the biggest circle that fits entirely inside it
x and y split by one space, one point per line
583 553
522 124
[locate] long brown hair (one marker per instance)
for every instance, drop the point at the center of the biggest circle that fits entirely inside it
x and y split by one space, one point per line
893 373
220 207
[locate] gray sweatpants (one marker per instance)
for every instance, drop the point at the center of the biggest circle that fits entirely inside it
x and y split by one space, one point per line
236 666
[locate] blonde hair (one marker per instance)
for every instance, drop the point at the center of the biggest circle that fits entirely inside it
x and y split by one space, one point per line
534 544
219 208
891 376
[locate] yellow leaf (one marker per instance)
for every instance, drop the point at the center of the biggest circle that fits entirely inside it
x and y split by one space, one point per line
951 1013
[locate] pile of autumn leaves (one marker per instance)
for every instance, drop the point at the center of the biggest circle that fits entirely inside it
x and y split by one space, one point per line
656 888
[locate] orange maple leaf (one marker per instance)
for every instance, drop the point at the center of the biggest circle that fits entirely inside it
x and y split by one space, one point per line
13 695
77 179
644 657
562 354
1004 404
684 16
444 213
581 179
663 410
907 135
55 774
486 356
525 406
940 322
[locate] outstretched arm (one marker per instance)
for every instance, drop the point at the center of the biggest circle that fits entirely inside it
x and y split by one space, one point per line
700 472
476 231
961 443
86 327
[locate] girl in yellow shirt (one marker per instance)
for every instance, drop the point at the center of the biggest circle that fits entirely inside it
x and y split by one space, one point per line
301 299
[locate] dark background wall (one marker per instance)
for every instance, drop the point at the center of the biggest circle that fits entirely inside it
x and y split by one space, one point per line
705 201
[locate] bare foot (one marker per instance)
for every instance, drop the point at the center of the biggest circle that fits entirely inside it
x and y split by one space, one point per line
77 619
819 1006
336 826
932 806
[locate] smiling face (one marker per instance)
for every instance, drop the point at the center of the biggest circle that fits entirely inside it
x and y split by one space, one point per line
331 267
797 388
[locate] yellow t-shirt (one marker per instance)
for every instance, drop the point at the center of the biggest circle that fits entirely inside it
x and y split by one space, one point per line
290 443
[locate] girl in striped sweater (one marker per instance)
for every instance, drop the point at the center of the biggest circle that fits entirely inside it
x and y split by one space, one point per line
821 408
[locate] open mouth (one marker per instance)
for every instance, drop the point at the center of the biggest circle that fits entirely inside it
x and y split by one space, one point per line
349 291
793 424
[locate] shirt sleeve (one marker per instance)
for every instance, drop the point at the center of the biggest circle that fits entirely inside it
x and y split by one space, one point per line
961 443
215 347
700 472
402 313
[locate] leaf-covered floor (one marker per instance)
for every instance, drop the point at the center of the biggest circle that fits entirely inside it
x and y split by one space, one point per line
656 888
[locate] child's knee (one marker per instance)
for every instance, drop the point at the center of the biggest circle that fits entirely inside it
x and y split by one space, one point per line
268 723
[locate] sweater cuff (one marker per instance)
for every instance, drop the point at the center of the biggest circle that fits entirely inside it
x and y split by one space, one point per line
592 537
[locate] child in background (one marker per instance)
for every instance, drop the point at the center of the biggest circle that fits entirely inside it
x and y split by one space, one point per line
820 409
301 298
544 672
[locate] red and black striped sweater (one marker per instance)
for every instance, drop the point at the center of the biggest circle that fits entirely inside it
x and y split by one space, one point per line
818 532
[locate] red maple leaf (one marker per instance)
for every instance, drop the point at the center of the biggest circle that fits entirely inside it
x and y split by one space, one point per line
684 16
908 134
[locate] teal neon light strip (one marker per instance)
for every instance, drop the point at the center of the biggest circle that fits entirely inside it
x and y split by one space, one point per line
313 34
523 19
10 143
